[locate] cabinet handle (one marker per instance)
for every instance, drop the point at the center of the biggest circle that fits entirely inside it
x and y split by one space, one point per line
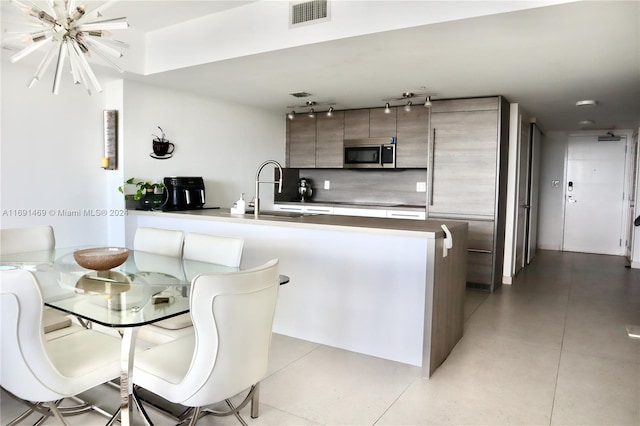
479 251
433 161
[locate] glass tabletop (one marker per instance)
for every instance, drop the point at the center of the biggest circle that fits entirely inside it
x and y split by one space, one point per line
146 288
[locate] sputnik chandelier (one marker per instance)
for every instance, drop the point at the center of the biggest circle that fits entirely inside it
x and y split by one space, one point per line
73 33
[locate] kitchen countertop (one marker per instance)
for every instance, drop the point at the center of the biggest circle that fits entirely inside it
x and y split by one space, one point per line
373 206
418 228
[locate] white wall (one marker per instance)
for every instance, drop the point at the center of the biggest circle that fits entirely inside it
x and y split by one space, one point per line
552 167
263 26
222 142
550 219
51 147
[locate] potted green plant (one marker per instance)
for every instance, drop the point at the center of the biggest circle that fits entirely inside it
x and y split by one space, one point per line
146 193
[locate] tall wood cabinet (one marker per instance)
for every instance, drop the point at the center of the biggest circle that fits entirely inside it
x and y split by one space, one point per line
412 137
468 177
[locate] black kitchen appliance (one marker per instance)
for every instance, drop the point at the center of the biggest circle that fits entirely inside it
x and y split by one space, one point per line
373 153
183 193
304 189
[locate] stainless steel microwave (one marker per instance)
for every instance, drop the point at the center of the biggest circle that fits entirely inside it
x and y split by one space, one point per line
373 153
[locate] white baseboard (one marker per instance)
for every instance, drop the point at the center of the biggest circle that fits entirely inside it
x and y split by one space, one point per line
507 280
635 265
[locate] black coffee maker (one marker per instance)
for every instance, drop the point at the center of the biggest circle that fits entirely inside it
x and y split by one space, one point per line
183 193
304 189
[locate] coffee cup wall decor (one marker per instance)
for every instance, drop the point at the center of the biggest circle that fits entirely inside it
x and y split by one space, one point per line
162 148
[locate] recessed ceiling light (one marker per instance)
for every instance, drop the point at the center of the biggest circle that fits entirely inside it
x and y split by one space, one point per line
585 122
586 102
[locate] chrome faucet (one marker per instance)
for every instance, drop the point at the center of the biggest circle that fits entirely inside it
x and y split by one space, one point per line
256 204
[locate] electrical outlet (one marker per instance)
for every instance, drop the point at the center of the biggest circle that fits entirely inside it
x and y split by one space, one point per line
327 184
421 186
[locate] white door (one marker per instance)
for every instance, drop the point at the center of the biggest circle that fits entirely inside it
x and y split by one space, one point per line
532 232
522 194
594 196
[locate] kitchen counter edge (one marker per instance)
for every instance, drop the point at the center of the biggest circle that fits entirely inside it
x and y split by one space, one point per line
417 228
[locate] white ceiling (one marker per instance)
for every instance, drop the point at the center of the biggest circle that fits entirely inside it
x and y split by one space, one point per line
545 59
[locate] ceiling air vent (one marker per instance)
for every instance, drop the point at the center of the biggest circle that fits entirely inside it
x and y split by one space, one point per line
308 12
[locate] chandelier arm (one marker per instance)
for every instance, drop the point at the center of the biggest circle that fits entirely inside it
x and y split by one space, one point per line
97 13
43 66
98 51
102 47
59 66
29 49
74 64
87 68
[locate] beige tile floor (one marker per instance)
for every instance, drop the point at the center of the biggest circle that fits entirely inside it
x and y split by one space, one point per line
549 350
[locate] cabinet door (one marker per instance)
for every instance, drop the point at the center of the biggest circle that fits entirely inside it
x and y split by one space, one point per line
301 142
381 124
356 124
463 162
329 140
413 137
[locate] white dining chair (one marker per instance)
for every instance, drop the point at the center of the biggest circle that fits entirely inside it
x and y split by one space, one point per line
166 242
37 239
228 353
34 369
221 250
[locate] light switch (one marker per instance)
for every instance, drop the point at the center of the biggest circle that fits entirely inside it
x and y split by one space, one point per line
327 184
421 186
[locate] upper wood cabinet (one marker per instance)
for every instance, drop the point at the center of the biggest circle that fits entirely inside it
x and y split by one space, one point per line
369 123
329 140
356 124
381 124
318 142
301 142
412 137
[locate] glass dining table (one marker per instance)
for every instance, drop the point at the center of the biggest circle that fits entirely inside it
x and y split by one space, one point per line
145 289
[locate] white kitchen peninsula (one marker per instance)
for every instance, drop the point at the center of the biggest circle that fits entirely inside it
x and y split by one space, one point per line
381 287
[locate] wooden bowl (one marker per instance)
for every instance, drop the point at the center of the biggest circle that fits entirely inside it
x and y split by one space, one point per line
102 258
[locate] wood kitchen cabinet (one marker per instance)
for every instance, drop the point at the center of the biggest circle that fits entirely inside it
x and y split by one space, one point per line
412 137
369 123
381 124
301 142
329 140
468 150
356 124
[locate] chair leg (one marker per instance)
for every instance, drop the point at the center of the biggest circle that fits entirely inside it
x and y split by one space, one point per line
255 402
236 412
54 409
195 416
138 403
